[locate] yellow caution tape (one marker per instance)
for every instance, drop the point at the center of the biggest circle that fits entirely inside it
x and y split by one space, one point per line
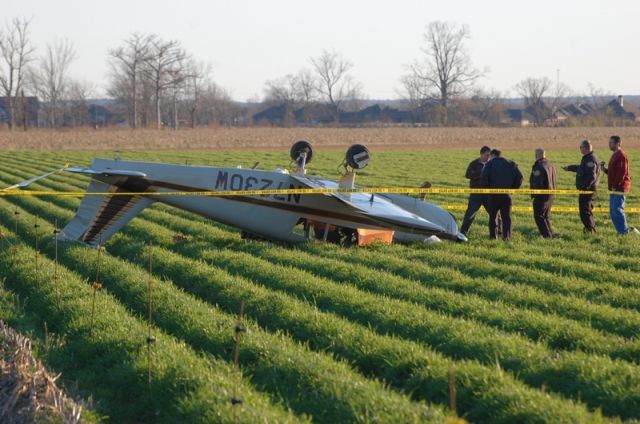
267 192
530 209
373 190
395 190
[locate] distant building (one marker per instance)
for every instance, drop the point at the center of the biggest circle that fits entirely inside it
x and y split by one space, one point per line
575 110
31 105
273 115
377 114
505 112
320 114
519 117
99 116
617 109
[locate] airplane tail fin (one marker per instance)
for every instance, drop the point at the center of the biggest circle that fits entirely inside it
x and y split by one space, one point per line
100 216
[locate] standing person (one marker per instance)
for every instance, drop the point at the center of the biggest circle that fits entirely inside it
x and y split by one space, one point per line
619 184
543 176
587 178
500 173
473 174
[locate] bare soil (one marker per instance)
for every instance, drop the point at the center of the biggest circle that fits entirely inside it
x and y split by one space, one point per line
327 138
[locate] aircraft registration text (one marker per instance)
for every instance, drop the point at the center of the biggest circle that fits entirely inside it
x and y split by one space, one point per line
237 182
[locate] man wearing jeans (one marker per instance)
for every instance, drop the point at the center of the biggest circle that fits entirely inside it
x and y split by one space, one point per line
619 185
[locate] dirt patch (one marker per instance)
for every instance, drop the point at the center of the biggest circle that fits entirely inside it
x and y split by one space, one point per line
327 138
28 393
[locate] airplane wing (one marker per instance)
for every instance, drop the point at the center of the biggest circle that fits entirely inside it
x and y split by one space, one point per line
100 216
380 209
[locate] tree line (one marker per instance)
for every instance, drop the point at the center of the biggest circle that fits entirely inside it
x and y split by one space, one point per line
156 83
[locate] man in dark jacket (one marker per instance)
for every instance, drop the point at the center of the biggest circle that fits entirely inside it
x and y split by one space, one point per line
587 178
500 173
543 176
474 171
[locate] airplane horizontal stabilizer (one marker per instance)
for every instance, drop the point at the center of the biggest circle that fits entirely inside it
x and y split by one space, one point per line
107 172
99 217
24 184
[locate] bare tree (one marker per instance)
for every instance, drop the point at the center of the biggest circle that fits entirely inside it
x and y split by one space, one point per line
16 52
598 98
533 91
420 102
79 94
334 82
165 68
127 62
307 86
118 88
542 97
561 95
446 70
293 92
146 107
285 93
51 79
217 107
489 105
198 76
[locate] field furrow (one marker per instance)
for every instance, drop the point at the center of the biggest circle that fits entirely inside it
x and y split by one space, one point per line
106 352
508 392
535 330
319 387
601 317
557 332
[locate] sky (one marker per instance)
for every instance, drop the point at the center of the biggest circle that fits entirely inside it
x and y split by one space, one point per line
248 42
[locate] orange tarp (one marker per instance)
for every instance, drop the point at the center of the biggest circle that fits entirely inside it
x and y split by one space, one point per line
366 237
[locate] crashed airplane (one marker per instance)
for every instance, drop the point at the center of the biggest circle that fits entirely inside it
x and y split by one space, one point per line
347 218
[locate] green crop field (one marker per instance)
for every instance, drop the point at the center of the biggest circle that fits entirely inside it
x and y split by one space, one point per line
531 330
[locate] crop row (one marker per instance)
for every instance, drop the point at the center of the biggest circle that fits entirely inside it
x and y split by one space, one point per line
593 291
396 287
598 378
550 269
316 258
318 386
499 388
556 331
106 354
558 334
597 315
489 300
608 319
37 160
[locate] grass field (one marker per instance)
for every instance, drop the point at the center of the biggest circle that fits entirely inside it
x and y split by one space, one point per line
534 330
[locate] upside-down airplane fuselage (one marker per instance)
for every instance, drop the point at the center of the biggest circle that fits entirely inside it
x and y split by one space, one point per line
270 216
